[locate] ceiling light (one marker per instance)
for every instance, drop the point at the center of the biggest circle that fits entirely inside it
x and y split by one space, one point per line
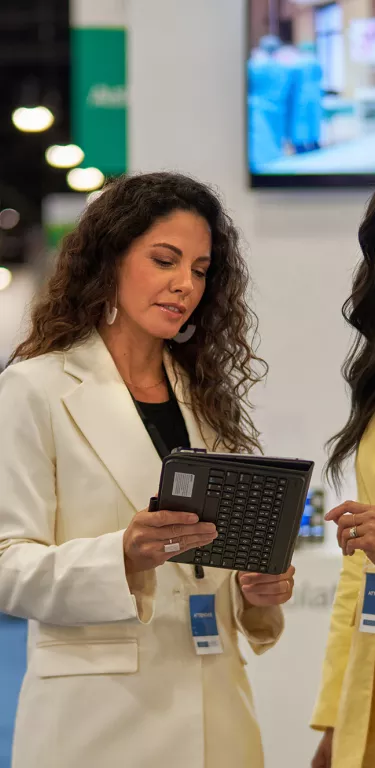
64 156
9 218
5 278
32 119
85 179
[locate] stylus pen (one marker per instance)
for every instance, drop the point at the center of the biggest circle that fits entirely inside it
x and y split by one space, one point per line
153 506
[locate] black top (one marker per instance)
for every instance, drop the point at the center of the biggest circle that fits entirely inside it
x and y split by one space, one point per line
169 422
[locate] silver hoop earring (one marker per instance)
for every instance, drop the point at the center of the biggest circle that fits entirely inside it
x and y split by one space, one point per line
111 312
185 334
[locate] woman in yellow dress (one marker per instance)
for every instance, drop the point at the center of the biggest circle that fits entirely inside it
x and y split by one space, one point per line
345 710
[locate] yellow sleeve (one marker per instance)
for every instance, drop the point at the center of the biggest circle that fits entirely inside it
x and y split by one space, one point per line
342 621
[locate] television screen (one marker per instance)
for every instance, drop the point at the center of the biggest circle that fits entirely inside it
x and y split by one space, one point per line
311 92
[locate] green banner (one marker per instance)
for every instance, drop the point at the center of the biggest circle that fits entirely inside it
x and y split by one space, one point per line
98 88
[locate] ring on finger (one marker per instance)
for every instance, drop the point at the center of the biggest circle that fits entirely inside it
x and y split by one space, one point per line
353 533
171 547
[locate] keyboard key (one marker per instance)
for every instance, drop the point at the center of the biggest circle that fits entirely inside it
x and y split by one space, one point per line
214 487
269 486
265 505
239 506
254 494
225 504
228 563
230 552
268 494
229 488
218 549
217 473
245 537
256 486
221 529
237 515
244 548
241 495
233 535
206 557
247 528
243 487
215 559
228 496
258 478
272 480
223 518
214 494
262 569
282 482
231 478
245 478
261 527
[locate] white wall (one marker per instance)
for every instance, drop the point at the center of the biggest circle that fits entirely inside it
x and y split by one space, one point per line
188 113
14 305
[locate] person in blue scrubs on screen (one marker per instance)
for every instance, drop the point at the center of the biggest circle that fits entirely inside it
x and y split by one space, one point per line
268 84
306 101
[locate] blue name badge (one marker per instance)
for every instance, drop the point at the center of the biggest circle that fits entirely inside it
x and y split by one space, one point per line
368 611
203 625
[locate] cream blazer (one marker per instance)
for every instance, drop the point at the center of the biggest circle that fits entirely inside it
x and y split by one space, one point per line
113 678
346 694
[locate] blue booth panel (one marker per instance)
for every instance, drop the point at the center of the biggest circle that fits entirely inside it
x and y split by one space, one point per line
13 644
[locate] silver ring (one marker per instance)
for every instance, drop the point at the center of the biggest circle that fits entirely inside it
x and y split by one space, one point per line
353 533
168 548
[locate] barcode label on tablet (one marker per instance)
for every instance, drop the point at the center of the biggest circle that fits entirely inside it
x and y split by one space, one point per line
183 485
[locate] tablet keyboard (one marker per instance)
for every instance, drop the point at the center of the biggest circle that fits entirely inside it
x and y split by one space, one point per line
246 509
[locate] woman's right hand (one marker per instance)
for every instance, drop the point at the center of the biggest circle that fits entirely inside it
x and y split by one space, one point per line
323 755
148 532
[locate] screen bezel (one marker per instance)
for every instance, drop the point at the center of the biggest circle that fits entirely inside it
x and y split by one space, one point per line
297 181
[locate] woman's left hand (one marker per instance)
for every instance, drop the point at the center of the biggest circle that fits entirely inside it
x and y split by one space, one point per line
355 527
261 589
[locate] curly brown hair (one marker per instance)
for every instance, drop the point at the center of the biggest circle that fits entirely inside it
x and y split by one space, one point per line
220 361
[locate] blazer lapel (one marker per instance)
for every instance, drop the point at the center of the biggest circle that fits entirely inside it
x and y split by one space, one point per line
103 410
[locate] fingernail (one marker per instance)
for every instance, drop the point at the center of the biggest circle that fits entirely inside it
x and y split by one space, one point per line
194 518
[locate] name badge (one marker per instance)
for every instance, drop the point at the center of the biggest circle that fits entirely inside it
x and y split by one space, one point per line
203 625
368 611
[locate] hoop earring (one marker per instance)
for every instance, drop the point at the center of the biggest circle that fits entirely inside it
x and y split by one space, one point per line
185 334
111 312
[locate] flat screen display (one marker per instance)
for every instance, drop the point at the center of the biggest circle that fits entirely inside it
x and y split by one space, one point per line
311 92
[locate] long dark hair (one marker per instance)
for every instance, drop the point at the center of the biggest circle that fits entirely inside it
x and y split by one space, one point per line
220 361
359 367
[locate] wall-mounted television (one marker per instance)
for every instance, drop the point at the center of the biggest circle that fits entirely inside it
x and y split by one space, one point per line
311 93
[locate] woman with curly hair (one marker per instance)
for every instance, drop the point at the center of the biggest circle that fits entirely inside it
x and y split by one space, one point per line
138 346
